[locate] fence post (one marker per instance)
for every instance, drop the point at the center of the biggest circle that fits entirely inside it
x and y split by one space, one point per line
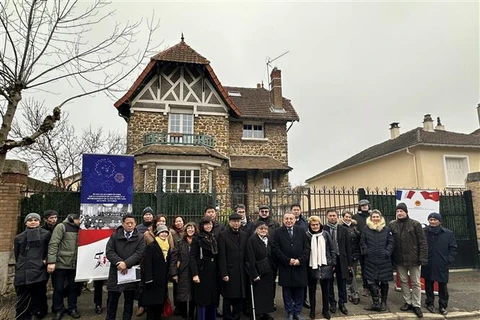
159 191
309 201
467 196
362 194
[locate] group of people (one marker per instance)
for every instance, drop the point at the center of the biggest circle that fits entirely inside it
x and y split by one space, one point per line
240 261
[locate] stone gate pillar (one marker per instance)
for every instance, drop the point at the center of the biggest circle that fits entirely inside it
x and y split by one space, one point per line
14 179
473 184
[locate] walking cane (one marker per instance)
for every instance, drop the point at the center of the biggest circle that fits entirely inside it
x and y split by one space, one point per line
253 300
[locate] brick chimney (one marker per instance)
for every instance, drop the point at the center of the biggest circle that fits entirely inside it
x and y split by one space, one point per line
394 130
276 99
428 123
439 126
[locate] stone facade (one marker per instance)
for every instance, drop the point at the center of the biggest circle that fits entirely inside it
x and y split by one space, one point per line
473 184
141 123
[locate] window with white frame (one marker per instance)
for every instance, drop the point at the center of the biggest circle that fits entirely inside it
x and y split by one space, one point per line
180 123
253 131
180 180
267 181
456 170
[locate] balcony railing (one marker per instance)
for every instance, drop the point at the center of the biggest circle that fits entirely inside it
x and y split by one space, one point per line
179 139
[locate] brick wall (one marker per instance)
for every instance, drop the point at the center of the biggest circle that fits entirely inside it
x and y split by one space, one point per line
11 184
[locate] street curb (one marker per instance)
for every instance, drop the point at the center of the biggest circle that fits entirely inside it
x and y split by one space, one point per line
404 315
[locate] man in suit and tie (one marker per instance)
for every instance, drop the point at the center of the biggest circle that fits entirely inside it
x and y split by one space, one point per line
292 251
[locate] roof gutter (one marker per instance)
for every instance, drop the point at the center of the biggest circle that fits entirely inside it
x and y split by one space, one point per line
414 166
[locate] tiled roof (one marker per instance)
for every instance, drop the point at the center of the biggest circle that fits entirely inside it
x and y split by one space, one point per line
181 52
178 151
255 103
476 132
412 138
256 162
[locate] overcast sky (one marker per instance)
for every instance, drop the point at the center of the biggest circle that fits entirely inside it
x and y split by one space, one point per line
352 67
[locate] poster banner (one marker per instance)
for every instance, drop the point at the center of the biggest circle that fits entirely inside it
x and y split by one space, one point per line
106 195
420 203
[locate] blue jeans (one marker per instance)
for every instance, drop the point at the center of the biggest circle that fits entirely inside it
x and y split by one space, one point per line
63 281
293 298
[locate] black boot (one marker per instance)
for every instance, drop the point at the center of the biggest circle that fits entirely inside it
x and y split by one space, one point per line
375 306
384 295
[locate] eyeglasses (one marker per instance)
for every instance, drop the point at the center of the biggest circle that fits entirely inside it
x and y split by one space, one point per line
264 210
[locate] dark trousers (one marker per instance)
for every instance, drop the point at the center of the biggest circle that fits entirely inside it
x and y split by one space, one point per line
442 293
362 265
293 299
98 292
312 290
31 300
63 281
232 308
182 307
112 304
341 286
154 312
206 312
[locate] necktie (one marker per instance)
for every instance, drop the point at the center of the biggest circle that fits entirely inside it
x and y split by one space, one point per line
290 232
129 234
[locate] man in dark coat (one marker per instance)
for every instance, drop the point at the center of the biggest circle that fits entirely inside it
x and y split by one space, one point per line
360 217
30 248
409 254
341 241
50 218
245 223
125 248
147 220
442 249
292 251
231 264
301 222
264 215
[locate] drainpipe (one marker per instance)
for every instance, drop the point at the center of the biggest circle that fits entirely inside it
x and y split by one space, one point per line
414 167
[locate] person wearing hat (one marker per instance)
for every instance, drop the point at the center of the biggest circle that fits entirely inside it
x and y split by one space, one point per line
30 249
364 209
62 260
203 267
376 245
147 220
156 263
261 270
231 258
264 215
410 252
50 218
442 248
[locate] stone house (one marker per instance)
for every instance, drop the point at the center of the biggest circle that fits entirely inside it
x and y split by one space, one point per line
189 133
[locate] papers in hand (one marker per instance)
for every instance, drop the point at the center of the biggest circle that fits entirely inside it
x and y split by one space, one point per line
132 275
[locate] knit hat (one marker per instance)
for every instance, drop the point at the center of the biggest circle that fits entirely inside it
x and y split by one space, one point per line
435 215
402 206
32 215
160 229
235 216
147 210
259 223
49 213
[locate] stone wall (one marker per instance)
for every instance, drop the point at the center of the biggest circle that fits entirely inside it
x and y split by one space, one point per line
275 144
141 123
473 184
11 183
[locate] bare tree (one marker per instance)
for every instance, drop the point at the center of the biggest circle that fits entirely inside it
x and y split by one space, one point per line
43 43
57 154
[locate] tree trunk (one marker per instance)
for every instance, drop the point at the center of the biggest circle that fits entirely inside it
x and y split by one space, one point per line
15 96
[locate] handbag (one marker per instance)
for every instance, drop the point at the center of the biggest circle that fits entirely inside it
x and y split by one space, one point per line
263 266
167 308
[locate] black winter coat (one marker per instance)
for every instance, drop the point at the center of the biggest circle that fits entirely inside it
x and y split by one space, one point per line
377 247
286 248
231 262
179 266
361 218
410 243
155 275
325 271
30 252
129 251
442 248
263 289
354 239
345 251
203 263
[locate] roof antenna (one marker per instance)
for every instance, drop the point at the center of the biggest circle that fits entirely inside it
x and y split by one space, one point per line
269 61
182 38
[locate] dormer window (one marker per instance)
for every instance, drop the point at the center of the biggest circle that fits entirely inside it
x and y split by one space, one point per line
234 94
253 131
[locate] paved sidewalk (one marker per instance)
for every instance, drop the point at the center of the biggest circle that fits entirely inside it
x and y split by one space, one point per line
464 289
